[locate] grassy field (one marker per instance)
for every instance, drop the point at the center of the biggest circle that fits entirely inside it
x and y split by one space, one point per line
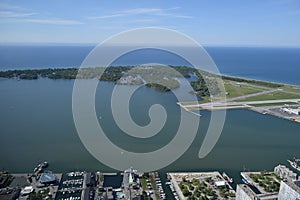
268 181
291 88
235 89
272 96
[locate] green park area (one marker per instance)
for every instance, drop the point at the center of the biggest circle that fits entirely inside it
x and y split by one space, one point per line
203 189
268 181
291 88
235 89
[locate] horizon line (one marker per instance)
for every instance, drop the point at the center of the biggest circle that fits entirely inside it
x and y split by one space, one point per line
95 44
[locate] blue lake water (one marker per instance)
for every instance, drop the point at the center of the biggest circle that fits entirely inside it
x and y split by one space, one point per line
266 63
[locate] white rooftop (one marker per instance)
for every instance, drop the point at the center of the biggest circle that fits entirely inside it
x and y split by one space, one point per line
220 183
27 190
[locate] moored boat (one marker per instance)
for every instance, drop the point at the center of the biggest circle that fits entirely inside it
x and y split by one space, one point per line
40 167
295 163
227 178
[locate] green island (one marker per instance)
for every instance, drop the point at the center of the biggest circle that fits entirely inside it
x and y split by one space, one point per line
158 77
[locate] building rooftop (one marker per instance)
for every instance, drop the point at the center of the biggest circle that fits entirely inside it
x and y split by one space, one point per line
129 177
27 190
47 177
220 183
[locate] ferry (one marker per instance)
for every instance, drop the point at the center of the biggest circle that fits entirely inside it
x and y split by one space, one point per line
40 167
44 164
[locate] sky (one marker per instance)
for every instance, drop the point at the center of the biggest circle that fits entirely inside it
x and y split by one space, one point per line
209 22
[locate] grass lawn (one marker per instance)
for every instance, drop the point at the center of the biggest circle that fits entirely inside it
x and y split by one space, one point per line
235 89
268 181
291 88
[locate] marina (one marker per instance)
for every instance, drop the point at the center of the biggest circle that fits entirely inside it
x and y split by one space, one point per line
71 186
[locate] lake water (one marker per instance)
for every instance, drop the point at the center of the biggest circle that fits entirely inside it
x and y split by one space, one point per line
36 124
36 120
279 64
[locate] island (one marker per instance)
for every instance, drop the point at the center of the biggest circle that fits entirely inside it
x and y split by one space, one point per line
158 77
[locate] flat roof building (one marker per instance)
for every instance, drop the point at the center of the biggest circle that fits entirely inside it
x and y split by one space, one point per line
220 183
27 190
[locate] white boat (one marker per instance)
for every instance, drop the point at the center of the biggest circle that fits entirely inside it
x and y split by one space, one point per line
294 164
227 178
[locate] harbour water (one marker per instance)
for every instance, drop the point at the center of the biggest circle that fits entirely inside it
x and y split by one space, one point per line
37 124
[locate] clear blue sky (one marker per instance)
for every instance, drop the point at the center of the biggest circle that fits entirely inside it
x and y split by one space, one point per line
212 22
